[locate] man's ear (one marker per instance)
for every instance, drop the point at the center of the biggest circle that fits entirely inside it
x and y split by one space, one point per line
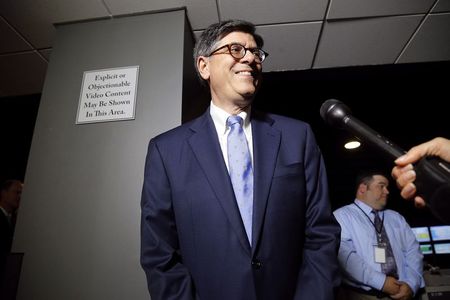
362 188
203 67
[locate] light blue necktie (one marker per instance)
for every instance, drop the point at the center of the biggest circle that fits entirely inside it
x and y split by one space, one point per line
241 172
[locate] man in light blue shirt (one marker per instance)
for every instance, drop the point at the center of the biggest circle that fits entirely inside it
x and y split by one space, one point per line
372 264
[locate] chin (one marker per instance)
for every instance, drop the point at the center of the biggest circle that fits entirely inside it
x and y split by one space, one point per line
250 90
248 96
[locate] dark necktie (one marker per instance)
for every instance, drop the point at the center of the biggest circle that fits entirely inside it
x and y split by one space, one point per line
390 267
241 172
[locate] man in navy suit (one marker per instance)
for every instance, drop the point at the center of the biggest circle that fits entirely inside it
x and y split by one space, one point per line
194 244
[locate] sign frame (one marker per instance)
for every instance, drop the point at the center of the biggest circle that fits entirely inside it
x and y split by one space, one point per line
108 95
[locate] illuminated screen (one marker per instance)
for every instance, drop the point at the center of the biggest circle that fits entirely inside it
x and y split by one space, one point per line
422 234
442 248
426 249
440 233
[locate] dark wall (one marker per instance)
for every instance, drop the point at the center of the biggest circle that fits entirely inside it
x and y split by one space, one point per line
16 130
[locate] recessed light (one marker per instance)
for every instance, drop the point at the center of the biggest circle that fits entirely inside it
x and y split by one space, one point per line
352 145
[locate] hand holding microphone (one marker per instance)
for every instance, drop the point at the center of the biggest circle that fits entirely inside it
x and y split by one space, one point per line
432 174
404 172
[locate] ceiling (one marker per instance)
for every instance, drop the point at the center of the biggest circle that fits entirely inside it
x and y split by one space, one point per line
299 34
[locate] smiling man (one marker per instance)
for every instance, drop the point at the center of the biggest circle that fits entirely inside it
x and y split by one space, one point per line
235 203
379 253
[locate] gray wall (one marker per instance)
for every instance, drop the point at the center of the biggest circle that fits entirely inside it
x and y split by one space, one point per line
79 219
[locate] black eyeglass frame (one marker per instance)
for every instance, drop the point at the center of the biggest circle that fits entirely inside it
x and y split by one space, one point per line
260 56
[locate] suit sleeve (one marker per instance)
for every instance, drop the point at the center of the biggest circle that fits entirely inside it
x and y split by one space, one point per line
167 277
319 274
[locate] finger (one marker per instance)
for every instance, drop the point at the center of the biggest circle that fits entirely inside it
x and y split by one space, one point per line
414 154
408 191
436 147
405 178
397 171
396 296
419 202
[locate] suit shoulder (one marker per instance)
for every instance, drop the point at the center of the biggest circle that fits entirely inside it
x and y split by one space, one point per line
175 133
287 120
287 124
171 133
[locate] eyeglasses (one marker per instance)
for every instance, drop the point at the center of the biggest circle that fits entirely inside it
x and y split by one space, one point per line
238 51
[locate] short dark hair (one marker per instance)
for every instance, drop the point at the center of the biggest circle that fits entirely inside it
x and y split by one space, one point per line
366 177
5 185
215 32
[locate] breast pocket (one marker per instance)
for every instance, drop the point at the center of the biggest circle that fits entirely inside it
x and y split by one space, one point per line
288 170
287 194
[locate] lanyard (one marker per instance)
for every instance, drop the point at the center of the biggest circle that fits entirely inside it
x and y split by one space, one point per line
382 221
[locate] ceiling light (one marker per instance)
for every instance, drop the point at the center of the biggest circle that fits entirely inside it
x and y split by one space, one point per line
352 145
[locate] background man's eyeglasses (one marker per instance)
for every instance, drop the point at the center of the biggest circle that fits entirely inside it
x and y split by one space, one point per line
238 51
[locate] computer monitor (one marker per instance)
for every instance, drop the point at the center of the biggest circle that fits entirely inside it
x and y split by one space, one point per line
426 249
422 234
442 248
440 233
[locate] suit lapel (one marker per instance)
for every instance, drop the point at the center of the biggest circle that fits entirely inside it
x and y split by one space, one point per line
205 145
266 141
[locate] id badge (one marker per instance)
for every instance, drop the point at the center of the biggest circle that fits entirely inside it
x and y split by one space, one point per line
380 253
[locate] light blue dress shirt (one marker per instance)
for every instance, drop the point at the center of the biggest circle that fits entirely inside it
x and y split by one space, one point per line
358 238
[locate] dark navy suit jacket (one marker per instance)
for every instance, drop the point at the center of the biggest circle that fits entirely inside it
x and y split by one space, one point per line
193 241
6 237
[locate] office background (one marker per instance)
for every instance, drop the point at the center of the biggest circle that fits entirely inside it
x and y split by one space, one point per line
79 220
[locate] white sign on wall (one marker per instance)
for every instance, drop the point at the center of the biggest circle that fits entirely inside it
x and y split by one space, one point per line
108 95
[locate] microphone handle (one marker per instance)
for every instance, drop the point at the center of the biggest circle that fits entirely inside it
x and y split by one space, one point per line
433 184
367 134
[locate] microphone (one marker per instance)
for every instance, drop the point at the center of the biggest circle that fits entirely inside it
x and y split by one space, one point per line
432 173
337 114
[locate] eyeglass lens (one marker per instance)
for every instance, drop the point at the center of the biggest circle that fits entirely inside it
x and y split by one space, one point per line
238 51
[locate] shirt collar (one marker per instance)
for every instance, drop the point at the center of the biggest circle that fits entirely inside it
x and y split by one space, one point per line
220 117
366 208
